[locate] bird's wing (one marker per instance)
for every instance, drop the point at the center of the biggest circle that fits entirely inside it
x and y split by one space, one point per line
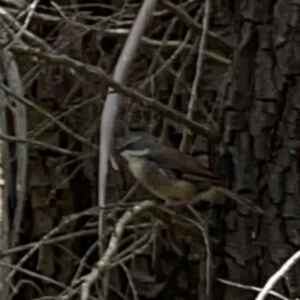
181 162
166 171
202 183
162 183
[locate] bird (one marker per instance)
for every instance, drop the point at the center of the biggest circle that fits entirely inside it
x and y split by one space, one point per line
172 175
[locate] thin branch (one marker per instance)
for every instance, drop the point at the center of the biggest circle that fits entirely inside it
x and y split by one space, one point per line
38 16
84 259
168 44
49 116
20 126
43 126
67 220
34 275
216 41
135 252
96 74
178 80
10 138
169 61
131 282
132 248
202 226
280 273
157 53
105 260
48 242
195 86
31 8
28 34
251 288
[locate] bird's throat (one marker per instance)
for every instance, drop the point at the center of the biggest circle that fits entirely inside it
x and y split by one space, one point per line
137 167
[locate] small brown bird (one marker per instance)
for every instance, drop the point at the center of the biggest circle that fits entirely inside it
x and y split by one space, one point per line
172 175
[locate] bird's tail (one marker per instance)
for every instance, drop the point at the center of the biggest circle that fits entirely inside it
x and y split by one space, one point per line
239 199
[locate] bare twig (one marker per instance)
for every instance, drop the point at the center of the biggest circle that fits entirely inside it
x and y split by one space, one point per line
131 282
48 115
131 250
179 75
131 192
19 285
20 122
10 138
251 288
194 94
280 273
48 242
84 259
168 44
168 62
55 230
203 227
103 263
213 38
33 274
31 8
195 86
163 42
96 74
38 16
131 255
48 123
65 181
28 34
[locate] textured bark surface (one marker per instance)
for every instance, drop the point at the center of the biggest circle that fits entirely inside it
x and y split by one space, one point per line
261 131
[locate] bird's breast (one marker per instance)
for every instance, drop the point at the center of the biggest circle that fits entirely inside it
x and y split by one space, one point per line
159 183
137 168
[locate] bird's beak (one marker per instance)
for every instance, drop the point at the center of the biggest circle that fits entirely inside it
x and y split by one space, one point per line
125 154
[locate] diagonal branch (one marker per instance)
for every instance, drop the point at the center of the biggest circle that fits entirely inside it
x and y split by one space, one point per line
214 40
48 115
97 74
280 273
105 260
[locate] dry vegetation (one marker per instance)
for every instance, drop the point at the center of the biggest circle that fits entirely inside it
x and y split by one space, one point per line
58 63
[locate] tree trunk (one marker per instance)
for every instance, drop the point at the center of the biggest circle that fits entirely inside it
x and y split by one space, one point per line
261 131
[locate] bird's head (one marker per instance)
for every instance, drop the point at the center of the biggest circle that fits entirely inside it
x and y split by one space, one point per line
139 145
138 141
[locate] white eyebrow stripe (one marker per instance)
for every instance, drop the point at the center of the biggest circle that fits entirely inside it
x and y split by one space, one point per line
136 152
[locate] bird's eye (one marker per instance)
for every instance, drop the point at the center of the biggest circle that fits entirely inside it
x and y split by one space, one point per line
129 143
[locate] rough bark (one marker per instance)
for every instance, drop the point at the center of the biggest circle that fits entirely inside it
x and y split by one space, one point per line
261 132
